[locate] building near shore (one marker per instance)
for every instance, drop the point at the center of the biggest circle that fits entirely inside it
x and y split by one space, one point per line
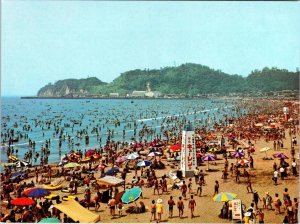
147 93
114 95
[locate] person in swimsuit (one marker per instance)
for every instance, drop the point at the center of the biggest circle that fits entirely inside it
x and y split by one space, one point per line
180 207
171 204
192 205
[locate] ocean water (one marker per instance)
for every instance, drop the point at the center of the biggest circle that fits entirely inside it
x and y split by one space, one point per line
97 113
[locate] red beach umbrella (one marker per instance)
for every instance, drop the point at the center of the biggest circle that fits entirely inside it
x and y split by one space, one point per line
22 201
175 148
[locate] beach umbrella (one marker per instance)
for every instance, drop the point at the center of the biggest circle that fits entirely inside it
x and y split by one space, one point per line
259 125
144 163
21 163
280 156
238 155
208 158
17 174
86 159
8 164
22 201
132 156
137 145
112 171
175 148
90 152
63 162
36 192
72 165
121 159
265 149
96 156
213 149
50 220
224 196
152 154
131 195
243 162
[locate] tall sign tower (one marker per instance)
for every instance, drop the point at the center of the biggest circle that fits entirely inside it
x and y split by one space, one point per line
188 161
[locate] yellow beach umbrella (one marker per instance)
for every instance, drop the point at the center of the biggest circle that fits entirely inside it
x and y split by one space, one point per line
224 196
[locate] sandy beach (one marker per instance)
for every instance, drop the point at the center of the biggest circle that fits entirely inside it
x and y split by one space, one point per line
206 210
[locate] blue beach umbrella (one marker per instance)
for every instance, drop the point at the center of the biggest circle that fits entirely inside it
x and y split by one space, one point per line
131 195
237 155
36 192
17 174
144 163
112 171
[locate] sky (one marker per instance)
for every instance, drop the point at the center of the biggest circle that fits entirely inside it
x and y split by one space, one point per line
46 41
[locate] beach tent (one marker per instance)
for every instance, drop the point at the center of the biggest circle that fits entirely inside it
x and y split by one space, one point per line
110 181
77 212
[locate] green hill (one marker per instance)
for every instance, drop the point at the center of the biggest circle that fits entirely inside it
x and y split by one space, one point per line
190 79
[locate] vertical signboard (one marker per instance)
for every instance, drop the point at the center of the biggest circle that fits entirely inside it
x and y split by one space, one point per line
188 152
237 209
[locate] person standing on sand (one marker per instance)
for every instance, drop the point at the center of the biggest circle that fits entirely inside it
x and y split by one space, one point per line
156 186
256 198
192 205
268 201
153 211
159 209
249 186
184 190
294 168
216 188
196 175
180 207
171 204
261 216
199 188
275 177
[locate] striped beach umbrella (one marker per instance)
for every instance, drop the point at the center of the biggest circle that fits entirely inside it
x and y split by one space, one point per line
36 192
121 159
243 162
238 155
144 163
224 196
208 158
280 156
152 154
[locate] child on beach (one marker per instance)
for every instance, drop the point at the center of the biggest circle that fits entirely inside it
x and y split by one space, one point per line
120 208
153 211
190 186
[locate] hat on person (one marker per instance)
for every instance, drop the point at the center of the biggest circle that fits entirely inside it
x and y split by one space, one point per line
255 191
159 201
267 193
